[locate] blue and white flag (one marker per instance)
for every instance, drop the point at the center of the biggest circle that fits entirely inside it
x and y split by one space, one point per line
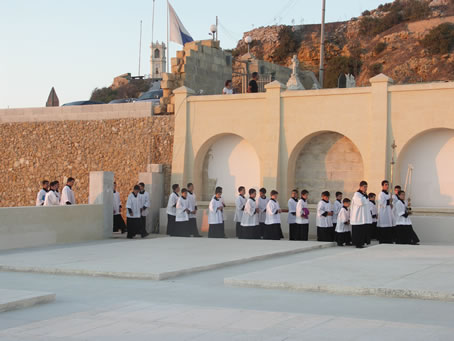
178 33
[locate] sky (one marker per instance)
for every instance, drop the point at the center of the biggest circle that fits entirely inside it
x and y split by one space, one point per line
77 46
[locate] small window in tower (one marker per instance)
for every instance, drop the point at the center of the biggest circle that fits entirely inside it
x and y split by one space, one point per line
157 71
157 54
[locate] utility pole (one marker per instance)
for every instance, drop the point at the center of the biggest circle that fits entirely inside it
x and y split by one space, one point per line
140 45
322 46
217 28
152 24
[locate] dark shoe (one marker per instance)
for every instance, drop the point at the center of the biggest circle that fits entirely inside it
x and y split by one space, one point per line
145 235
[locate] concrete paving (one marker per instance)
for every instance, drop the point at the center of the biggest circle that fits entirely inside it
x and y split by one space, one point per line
18 299
152 259
144 321
198 306
422 272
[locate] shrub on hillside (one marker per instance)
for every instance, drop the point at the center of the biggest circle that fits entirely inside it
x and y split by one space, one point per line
287 45
340 65
104 95
439 40
375 69
365 13
396 13
380 47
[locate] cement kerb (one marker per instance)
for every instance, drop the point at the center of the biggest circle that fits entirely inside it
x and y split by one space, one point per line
163 275
349 291
26 302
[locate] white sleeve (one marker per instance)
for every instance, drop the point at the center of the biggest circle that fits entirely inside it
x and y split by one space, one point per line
400 209
128 202
147 200
320 210
359 199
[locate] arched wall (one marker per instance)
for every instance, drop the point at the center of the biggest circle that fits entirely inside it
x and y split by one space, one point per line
229 161
325 161
431 153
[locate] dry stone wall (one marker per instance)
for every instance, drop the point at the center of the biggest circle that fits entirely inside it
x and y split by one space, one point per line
33 151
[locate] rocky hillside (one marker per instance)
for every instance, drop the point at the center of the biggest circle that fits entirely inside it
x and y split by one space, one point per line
409 40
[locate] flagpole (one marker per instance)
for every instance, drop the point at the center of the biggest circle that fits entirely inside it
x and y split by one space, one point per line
152 25
140 45
168 47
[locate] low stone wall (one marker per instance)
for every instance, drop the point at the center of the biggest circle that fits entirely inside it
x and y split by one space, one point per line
23 227
122 140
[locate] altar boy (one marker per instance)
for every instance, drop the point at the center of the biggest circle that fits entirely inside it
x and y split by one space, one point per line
404 229
262 201
133 213
292 203
337 205
273 229
325 229
343 228
216 216
240 202
182 227
250 219
302 217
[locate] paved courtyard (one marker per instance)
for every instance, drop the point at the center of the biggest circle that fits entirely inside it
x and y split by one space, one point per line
153 259
199 306
425 272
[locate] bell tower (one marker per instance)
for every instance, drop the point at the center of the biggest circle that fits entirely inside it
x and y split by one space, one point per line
157 60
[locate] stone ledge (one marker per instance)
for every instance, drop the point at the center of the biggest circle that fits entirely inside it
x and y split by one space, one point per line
15 299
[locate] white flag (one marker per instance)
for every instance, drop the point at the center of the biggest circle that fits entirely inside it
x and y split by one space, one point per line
178 33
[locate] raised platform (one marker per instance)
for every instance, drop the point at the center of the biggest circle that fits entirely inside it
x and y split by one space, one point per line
151 259
17 299
422 272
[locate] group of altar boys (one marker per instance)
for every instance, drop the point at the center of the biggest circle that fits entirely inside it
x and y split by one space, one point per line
347 222
49 194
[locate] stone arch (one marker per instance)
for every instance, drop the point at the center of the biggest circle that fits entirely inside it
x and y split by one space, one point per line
325 160
229 161
157 53
431 153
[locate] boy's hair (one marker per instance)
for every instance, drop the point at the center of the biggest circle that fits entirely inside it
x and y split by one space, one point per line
70 179
326 194
338 193
141 184
295 191
384 182
136 188
190 184
184 190
218 190
274 192
262 190
227 82
400 192
255 74
241 188
372 195
304 192
252 191
363 183
45 182
346 201
53 183
175 186
397 187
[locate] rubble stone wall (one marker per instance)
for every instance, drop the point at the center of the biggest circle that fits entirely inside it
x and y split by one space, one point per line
55 150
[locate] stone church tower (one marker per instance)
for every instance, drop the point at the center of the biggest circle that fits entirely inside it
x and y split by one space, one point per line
158 60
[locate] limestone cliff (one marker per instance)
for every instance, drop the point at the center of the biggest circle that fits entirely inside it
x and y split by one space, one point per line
387 39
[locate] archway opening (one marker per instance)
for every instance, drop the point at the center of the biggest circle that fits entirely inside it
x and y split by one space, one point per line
230 162
328 161
431 154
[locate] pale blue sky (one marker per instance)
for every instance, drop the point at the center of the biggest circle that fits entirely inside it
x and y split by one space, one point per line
79 45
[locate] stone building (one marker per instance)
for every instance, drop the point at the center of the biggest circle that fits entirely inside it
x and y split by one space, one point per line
158 60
